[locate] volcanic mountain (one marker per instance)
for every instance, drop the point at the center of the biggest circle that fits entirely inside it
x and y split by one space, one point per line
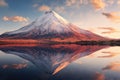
53 27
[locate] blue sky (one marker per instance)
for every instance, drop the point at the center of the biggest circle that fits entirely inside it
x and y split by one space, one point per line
100 16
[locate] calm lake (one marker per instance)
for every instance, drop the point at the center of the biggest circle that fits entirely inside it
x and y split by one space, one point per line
59 62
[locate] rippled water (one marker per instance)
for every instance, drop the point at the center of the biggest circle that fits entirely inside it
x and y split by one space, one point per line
59 62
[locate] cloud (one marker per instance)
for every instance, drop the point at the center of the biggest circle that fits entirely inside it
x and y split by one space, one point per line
98 4
108 30
70 2
113 16
115 66
35 5
15 19
60 9
110 1
75 2
3 3
44 8
99 76
118 2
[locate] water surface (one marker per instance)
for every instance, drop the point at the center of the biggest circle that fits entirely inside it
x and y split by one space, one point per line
59 62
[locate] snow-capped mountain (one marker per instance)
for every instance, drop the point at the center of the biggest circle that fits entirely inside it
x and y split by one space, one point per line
51 26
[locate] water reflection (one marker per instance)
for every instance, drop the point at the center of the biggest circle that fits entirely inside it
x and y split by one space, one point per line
54 62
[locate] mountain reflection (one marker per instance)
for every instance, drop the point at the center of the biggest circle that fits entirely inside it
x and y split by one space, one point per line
50 59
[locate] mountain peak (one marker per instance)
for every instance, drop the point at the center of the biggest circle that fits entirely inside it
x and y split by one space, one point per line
53 16
50 11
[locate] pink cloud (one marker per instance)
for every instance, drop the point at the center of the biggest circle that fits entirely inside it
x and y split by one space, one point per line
15 19
108 30
43 8
98 4
118 2
113 16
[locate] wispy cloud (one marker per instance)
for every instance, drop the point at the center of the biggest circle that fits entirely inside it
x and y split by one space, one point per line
70 2
108 30
35 5
15 19
113 16
75 2
115 66
3 3
60 9
44 8
98 4
111 1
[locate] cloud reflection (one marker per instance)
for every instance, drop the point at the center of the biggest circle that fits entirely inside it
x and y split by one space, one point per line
15 66
114 66
109 54
99 76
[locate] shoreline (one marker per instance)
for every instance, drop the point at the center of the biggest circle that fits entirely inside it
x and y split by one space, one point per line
30 41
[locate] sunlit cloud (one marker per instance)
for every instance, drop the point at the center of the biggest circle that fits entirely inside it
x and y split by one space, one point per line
98 4
115 66
113 16
108 30
44 8
99 76
3 3
15 19
118 2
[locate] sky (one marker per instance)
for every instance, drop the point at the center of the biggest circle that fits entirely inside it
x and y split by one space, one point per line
99 16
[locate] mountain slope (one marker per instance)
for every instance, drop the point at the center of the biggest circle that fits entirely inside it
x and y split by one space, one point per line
51 26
